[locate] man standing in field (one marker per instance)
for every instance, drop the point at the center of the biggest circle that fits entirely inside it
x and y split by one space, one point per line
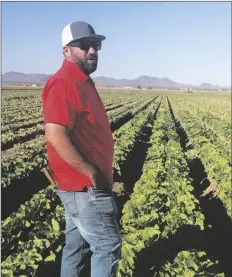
80 154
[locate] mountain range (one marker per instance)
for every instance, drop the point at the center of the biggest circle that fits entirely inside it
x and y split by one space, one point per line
143 81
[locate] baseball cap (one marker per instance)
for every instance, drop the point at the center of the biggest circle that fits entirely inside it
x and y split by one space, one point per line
79 30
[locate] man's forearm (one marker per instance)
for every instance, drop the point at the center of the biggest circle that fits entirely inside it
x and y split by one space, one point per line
66 149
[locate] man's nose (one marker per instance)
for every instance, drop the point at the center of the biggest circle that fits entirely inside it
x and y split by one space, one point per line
92 50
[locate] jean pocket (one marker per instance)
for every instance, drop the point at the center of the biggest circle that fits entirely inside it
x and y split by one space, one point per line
69 202
101 191
103 200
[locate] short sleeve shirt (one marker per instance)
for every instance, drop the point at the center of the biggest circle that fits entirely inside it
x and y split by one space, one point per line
70 99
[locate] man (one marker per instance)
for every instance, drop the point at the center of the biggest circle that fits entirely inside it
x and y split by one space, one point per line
80 154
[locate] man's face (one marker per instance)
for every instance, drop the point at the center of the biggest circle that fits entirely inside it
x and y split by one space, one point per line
85 55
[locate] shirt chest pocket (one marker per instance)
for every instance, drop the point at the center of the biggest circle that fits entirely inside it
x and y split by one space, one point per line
91 118
95 110
88 116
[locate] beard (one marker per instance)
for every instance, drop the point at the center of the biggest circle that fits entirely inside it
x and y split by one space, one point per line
89 64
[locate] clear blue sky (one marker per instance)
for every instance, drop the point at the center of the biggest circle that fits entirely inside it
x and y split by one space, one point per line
188 42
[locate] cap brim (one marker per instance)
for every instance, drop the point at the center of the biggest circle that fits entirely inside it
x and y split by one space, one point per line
91 37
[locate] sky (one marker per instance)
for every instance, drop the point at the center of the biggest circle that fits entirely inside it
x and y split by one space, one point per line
187 42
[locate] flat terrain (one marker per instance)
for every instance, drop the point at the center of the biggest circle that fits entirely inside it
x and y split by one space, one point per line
172 173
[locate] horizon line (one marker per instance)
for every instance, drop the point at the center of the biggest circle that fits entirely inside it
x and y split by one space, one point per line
126 78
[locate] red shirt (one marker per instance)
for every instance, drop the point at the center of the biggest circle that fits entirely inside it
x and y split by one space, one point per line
70 98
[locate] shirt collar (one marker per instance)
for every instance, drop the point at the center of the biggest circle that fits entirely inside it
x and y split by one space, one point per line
75 70
91 81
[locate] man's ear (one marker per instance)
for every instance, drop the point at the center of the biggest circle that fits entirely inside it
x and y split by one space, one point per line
66 51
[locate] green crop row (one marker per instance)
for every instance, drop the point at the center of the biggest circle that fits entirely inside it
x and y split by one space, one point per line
217 166
31 156
26 214
124 137
37 218
161 203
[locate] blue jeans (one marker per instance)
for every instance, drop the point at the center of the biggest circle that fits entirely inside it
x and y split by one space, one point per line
91 224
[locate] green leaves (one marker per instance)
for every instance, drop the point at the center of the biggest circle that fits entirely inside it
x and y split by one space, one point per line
26 158
125 137
208 130
27 224
162 200
59 248
8 272
55 225
162 197
190 263
50 258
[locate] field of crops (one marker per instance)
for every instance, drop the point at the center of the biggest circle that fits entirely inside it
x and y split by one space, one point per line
172 173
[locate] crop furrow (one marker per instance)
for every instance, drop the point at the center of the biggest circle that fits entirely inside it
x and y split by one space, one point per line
218 225
28 221
23 168
11 140
116 123
121 137
131 168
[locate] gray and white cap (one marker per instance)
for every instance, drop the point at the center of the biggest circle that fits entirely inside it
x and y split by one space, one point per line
79 30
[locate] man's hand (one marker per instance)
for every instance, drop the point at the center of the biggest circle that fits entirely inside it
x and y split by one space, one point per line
100 180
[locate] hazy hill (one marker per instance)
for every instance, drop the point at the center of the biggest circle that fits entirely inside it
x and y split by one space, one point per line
144 81
21 78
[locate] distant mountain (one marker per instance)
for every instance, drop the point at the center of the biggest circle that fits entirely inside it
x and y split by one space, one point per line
143 81
21 78
208 86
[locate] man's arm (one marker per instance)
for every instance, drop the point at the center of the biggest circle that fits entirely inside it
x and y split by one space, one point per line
59 137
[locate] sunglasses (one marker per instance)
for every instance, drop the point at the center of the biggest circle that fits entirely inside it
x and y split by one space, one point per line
85 45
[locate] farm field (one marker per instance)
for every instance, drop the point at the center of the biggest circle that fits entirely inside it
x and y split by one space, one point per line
172 174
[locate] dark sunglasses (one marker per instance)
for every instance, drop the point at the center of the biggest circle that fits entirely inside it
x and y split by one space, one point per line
85 45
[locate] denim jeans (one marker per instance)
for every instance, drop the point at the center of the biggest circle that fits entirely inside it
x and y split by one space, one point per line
91 224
